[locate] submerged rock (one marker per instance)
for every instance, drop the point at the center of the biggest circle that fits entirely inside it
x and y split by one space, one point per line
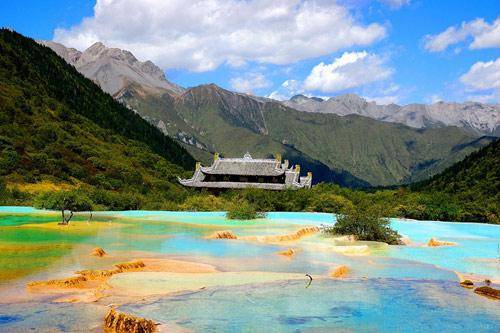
339 271
488 292
117 322
467 284
224 234
98 252
433 242
287 253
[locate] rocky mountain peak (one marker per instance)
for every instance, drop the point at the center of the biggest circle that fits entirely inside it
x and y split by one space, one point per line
350 99
116 70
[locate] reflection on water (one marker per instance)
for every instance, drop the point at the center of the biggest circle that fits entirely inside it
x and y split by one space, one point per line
414 284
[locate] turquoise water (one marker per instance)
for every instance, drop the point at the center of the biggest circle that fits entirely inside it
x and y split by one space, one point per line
380 305
396 288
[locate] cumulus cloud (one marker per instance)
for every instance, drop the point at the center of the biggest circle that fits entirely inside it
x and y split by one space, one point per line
288 89
351 70
249 82
483 80
201 35
483 35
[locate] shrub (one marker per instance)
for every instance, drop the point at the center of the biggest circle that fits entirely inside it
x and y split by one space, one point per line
71 200
203 202
329 203
242 210
366 223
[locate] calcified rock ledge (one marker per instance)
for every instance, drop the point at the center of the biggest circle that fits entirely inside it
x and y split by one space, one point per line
224 234
287 253
92 285
117 322
228 234
98 252
488 292
433 242
86 276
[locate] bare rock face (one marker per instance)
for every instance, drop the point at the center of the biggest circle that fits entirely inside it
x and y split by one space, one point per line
114 70
117 322
476 117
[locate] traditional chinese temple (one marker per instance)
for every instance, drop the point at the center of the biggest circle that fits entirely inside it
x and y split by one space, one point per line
269 174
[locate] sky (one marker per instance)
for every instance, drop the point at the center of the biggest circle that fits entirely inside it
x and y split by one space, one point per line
388 51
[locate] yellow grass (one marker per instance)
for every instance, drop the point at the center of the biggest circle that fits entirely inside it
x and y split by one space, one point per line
74 226
40 187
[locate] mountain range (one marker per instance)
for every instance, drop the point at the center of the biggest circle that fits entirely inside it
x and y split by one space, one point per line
345 139
478 118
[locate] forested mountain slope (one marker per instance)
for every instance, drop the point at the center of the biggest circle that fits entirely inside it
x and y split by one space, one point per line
474 180
59 128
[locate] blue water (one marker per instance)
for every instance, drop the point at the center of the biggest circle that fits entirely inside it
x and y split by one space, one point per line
377 305
396 288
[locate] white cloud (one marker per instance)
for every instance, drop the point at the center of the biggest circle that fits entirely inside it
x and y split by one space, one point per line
249 82
483 81
201 35
383 93
351 70
483 35
288 89
434 98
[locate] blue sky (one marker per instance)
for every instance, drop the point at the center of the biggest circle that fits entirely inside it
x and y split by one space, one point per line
389 50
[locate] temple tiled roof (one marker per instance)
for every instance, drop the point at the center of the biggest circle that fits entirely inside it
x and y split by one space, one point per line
247 166
244 167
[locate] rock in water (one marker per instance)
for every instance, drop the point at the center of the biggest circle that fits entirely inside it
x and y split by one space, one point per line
339 271
225 234
98 252
488 292
467 284
433 242
117 322
287 253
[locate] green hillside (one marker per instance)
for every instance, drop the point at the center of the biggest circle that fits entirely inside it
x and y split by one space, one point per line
364 150
59 130
474 181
